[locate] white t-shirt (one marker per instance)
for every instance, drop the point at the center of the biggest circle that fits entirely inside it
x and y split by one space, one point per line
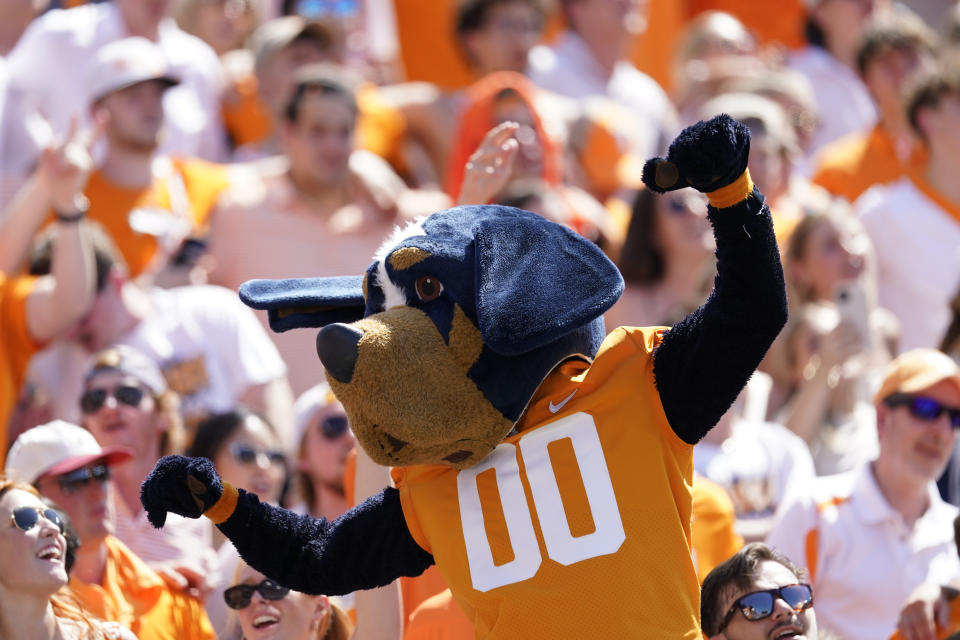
918 259
867 561
568 68
48 71
759 466
843 103
209 345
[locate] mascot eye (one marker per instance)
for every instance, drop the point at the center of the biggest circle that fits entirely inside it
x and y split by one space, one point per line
428 288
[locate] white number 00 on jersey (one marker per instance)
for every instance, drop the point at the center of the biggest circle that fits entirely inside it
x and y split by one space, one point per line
561 545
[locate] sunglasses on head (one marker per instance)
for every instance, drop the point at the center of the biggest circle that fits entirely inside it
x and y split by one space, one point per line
335 426
238 597
923 408
26 518
246 454
759 604
93 400
76 480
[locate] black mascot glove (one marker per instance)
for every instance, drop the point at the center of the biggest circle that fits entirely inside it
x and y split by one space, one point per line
185 486
706 156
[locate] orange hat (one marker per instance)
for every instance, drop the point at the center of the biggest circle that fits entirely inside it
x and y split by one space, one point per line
917 370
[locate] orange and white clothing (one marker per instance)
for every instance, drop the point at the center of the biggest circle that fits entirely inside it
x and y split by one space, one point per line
714 537
17 345
944 633
551 504
864 561
915 231
132 594
181 197
849 166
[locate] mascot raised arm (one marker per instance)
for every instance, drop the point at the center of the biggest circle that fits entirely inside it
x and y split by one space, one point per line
544 467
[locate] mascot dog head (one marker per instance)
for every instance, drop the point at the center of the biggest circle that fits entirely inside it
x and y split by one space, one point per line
437 350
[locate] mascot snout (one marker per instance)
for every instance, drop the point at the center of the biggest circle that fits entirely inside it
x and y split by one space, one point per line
337 348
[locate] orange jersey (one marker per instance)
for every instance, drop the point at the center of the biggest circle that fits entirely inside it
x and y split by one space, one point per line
943 633
769 21
578 524
714 539
132 594
854 163
190 190
16 347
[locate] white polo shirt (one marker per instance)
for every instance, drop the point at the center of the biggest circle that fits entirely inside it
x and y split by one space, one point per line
917 244
863 559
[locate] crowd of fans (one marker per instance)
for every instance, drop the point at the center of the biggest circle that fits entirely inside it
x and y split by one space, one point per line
155 155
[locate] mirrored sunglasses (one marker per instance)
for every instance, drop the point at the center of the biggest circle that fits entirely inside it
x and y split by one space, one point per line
335 426
238 596
26 518
759 604
245 454
76 480
93 400
923 408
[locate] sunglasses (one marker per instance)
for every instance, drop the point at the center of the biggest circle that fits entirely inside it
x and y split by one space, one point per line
759 604
26 518
333 427
93 400
74 481
923 408
238 597
245 454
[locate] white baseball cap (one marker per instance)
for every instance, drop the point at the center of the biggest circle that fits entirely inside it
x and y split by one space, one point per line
124 63
54 448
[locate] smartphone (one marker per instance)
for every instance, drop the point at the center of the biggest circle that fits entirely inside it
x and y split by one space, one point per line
851 301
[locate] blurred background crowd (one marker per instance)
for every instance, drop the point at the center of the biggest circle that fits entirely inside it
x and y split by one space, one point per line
155 154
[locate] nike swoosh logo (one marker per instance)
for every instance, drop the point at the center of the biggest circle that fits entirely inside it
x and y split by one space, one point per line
556 407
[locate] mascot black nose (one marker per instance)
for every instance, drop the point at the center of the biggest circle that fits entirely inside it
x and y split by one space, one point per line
337 348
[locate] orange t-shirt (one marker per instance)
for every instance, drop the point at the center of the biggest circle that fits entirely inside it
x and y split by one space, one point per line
851 165
714 539
953 624
586 508
132 594
439 618
16 347
245 116
189 190
780 21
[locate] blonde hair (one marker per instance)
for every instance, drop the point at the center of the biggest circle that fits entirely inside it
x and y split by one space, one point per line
64 604
338 627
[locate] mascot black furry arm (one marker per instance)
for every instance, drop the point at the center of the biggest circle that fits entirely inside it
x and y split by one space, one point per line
544 467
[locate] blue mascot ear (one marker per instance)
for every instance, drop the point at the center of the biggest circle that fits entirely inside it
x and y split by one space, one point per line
306 302
537 281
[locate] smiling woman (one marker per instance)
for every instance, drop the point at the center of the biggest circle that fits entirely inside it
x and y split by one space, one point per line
265 610
33 595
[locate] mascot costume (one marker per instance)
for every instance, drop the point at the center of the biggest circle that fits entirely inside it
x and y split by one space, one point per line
545 468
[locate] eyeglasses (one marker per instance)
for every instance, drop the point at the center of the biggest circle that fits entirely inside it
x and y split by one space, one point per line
238 596
759 604
93 400
333 427
246 454
923 408
26 518
74 481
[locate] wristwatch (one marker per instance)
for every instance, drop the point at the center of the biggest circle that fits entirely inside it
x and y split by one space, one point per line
80 207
